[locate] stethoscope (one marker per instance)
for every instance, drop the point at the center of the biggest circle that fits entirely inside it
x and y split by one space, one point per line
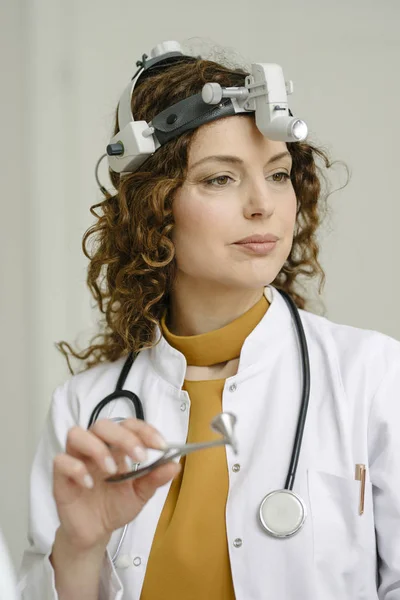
282 513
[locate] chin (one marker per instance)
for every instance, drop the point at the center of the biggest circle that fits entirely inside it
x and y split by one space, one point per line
258 277
247 282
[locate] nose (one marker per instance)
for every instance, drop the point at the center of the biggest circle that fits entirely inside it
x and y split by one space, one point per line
259 201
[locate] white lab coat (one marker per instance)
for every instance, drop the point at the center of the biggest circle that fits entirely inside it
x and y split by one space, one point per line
353 417
8 585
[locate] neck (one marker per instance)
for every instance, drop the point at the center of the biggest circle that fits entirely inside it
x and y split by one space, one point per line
199 307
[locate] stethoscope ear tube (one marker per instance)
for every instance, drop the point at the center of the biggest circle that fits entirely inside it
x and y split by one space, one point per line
305 360
114 396
120 393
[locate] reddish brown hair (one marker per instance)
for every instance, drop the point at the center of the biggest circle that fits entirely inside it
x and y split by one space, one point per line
129 246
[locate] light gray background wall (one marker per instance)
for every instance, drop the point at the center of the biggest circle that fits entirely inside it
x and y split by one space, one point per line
64 65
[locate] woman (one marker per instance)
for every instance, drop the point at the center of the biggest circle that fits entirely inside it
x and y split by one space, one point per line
195 245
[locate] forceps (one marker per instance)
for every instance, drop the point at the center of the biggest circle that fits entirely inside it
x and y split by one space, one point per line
223 423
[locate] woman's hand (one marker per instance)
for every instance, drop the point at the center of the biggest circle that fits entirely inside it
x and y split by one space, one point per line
89 508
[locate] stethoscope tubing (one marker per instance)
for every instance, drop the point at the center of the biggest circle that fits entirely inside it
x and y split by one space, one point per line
305 366
305 360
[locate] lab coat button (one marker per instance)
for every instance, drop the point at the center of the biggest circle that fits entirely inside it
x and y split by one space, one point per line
237 543
137 561
123 561
183 406
233 387
236 468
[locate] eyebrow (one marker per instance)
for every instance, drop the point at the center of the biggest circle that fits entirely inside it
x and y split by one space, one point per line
237 160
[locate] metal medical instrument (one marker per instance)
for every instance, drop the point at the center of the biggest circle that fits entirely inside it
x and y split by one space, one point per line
223 423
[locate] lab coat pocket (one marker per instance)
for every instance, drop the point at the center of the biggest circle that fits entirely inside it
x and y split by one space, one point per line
343 539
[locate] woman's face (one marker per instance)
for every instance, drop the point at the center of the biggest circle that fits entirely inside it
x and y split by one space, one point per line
237 185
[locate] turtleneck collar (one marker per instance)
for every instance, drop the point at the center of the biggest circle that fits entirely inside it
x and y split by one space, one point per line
220 345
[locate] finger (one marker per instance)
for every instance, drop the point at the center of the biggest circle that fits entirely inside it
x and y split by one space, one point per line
147 433
85 444
124 462
122 439
65 466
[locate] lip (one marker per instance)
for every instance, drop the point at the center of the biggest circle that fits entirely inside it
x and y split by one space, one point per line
262 249
268 238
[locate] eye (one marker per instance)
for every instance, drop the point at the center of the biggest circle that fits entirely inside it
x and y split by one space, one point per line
280 177
219 181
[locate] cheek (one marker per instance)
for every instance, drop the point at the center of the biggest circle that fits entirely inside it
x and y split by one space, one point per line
199 235
288 213
197 220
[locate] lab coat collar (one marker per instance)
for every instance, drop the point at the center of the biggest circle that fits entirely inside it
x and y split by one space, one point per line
171 365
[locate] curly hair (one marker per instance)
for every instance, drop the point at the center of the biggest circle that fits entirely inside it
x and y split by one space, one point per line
130 250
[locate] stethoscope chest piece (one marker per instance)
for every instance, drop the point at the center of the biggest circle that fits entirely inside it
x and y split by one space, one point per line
282 513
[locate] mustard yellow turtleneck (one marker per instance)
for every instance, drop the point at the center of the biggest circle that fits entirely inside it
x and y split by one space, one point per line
189 558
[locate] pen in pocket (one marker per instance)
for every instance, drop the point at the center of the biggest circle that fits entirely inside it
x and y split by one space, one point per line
360 476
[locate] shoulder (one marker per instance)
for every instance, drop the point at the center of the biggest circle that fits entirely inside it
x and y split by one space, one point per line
355 349
97 377
348 338
348 342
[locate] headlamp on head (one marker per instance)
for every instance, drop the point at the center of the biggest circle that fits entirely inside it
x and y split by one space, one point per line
264 93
